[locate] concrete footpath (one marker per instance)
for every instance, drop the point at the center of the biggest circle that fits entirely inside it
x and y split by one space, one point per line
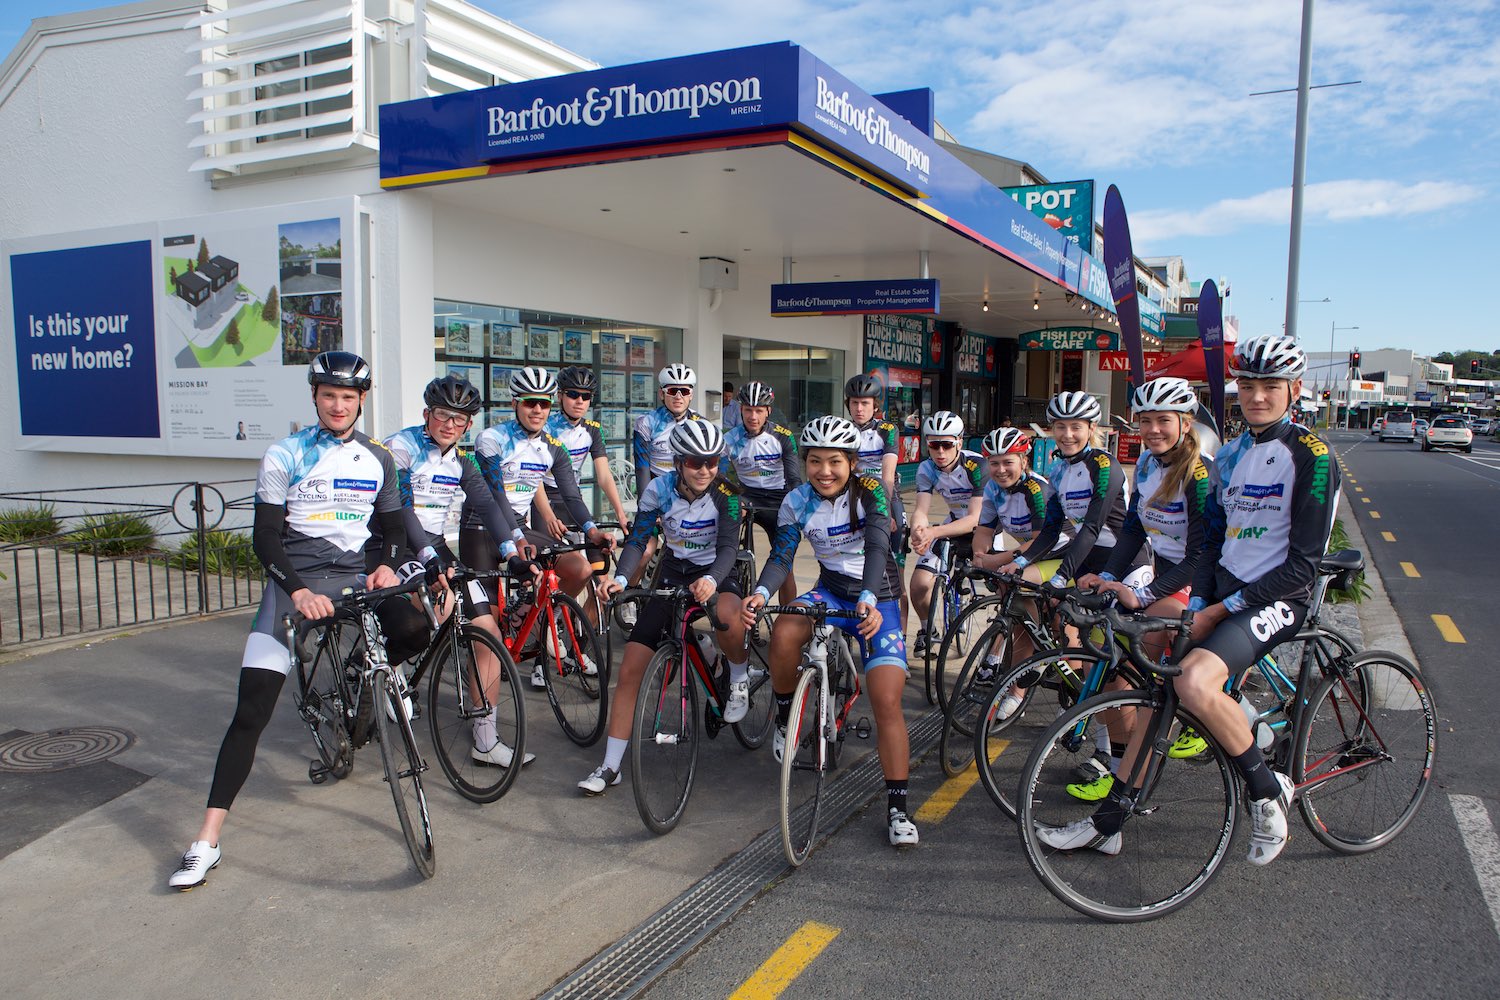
316 895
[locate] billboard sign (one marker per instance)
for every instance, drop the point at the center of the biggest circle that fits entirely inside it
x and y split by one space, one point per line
848 298
1067 207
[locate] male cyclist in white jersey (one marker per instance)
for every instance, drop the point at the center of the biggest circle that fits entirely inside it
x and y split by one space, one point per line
315 496
957 476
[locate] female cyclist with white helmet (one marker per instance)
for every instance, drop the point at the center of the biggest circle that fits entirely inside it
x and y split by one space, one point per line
1166 510
847 519
1272 495
958 477
699 516
1088 497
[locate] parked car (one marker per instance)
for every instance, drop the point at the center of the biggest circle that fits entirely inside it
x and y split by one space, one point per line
1449 432
1482 425
1399 425
1375 427
1420 426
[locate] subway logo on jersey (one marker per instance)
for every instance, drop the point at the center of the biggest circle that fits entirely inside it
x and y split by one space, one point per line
1318 488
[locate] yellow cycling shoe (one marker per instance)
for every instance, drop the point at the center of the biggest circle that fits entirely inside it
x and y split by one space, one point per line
1092 791
1187 744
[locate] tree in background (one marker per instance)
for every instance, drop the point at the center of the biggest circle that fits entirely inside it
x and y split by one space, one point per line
232 335
271 312
202 252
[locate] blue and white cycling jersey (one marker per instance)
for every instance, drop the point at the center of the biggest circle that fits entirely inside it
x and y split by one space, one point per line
957 485
877 439
515 463
764 463
330 489
583 440
1019 510
431 480
703 531
855 557
653 450
1088 497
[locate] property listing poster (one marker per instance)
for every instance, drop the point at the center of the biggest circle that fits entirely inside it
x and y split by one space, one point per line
193 334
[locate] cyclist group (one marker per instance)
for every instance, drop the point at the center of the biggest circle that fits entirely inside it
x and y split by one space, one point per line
1236 537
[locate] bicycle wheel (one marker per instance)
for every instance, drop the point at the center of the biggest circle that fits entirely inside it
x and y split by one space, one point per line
403 769
454 706
974 620
1003 744
753 729
970 697
323 700
1364 755
578 683
664 742
803 765
1169 849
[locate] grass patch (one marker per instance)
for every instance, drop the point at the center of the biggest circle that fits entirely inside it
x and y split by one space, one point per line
223 552
27 524
257 336
113 535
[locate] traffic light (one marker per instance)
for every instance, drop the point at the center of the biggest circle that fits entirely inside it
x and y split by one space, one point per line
1473 366
1327 395
1353 359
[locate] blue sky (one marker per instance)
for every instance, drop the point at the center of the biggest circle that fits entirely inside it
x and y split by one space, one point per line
1153 96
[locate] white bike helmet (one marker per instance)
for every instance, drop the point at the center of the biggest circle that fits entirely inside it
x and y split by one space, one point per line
943 424
756 394
1270 355
1073 406
1164 395
830 432
677 375
1007 441
533 382
697 439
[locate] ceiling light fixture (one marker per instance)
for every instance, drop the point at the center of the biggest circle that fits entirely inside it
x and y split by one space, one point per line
1036 302
986 303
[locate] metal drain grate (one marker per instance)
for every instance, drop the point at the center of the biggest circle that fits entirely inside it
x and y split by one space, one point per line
62 749
628 966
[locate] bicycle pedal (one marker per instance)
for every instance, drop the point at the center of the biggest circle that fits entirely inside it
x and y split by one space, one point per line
862 728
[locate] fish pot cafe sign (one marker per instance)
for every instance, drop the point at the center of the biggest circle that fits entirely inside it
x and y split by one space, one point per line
1071 338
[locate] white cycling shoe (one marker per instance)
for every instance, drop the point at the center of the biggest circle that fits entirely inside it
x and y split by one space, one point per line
778 743
598 780
200 859
538 678
1008 706
1078 835
1268 826
499 755
738 703
903 831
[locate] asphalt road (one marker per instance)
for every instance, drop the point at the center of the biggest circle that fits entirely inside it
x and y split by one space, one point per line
964 916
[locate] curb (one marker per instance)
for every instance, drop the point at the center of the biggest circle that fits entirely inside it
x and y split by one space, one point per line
1377 617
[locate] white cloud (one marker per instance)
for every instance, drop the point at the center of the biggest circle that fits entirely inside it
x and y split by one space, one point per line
1329 201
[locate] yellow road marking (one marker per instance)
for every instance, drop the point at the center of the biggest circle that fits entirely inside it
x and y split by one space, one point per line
941 802
1448 629
1410 570
1364 499
787 962
1388 536
1358 489
1375 514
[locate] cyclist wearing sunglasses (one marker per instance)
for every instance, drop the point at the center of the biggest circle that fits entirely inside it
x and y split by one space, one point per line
433 470
653 431
957 476
699 517
515 457
315 496
761 456
843 514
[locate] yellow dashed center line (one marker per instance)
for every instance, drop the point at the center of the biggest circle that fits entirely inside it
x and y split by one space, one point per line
1375 514
1388 536
1364 499
787 962
1410 570
1448 629
941 802
1358 489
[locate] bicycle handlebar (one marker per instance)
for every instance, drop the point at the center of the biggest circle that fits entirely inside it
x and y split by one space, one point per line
818 610
674 594
352 598
1100 608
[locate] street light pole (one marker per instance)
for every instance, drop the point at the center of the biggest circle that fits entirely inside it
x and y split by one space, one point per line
1299 168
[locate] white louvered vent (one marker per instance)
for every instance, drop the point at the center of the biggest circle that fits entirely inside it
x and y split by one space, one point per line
280 80
456 46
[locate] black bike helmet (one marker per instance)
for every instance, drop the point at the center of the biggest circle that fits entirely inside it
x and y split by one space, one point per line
453 392
863 387
340 368
578 378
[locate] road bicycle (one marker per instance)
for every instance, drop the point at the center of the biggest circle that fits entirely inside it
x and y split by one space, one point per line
1359 747
952 591
669 725
458 657
346 684
827 688
574 666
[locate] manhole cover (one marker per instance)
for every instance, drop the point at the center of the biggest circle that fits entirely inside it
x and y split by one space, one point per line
62 749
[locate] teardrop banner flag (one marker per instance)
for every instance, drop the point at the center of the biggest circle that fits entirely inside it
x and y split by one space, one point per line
1119 261
1211 336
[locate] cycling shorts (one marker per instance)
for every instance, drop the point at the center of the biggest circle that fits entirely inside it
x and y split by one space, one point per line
887 648
655 618
1246 636
265 646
